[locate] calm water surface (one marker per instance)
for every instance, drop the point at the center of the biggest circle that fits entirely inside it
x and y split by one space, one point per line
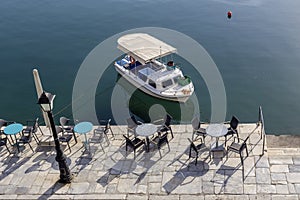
257 53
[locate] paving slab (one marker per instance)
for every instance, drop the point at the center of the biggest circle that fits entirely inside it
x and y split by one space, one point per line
293 177
115 174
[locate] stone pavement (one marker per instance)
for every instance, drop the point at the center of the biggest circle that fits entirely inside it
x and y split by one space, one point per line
164 174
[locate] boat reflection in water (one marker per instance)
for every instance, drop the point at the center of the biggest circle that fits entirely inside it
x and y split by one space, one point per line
126 99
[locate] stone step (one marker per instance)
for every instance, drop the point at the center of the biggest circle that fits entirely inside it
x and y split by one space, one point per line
283 151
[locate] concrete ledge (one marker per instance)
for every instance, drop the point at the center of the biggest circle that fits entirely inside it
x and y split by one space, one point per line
283 141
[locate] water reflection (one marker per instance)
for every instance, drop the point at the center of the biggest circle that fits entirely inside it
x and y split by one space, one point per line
149 108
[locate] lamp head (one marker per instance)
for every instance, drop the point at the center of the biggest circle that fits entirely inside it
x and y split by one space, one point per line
46 101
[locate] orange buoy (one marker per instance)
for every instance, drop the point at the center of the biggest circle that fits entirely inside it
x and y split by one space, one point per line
229 14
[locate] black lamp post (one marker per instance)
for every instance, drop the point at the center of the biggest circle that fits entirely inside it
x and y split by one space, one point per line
46 103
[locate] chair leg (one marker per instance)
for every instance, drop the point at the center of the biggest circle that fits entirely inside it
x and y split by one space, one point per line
171 132
69 147
101 147
247 151
35 138
30 147
41 130
9 141
107 140
242 159
7 148
190 153
111 132
74 137
242 162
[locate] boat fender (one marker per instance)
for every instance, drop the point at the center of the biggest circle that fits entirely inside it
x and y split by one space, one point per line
132 60
185 91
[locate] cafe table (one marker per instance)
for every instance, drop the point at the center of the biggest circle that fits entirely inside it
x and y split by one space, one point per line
14 129
83 128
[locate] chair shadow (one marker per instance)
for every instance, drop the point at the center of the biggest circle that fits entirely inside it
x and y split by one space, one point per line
12 164
127 165
189 170
47 155
82 162
124 166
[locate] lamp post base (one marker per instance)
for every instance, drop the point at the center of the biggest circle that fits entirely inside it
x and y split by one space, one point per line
65 175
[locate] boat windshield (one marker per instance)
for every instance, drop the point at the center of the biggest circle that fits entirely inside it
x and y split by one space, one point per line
167 83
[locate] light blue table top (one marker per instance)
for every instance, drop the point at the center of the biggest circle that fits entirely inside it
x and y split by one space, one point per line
83 127
13 129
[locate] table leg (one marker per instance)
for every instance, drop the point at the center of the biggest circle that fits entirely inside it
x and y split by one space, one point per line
217 141
17 143
86 143
147 144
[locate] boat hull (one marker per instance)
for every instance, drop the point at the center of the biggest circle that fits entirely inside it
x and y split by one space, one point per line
136 83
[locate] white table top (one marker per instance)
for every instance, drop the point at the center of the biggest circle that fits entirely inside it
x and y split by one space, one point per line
146 129
216 130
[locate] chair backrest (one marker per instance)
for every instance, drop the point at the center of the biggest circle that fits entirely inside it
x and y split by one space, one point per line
131 124
128 142
64 121
234 122
134 119
196 123
3 122
168 120
35 125
59 129
107 126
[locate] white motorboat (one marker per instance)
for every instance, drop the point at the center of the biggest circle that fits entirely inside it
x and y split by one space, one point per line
142 67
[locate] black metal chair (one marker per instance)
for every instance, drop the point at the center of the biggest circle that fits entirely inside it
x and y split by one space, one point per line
135 120
64 123
98 137
2 124
197 130
232 130
25 139
159 140
135 143
131 126
166 126
195 148
33 129
106 128
3 142
101 132
63 136
239 147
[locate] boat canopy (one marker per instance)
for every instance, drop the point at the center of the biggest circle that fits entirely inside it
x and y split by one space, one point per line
143 47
